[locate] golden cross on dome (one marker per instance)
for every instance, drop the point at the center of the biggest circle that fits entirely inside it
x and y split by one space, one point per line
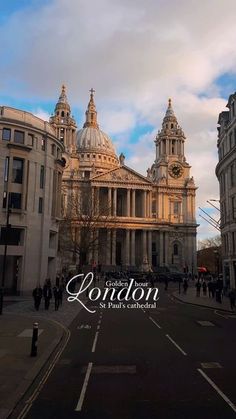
92 91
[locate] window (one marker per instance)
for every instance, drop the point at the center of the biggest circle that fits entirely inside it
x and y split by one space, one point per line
6 134
6 169
154 247
63 114
176 208
230 140
15 200
232 175
41 182
11 236
175 250
19 137
233 206
53 149
40 205
17 170
43 144
30 140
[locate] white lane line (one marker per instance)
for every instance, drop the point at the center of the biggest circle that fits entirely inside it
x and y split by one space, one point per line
98 327
99 322
176 345
226 399
95 341
159 327
83 391
143 310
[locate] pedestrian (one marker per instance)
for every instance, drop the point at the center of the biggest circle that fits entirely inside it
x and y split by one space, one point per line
232 297
37 295
185 285
60 294
204 287
209 286
56 293
198 288
47 294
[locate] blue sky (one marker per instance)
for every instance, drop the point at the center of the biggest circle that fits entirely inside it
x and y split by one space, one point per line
136 55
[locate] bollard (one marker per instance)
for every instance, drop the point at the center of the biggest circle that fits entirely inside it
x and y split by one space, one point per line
34 346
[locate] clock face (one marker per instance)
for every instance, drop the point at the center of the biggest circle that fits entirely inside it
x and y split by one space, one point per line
175 170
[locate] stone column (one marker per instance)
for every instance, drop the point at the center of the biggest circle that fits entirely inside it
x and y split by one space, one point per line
150 248
133 202
108 250
150 204
128 203
109 201
114 201
144 245
144 205
132 247
127 248
113 256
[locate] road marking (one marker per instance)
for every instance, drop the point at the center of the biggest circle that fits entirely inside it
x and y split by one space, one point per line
98 327
84 326
29 402
205 323
83 391
226 399
159 327
99 322
143 310
113 369
95 341
176 345
210 365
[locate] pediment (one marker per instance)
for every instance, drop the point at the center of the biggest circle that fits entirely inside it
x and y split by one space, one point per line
122 175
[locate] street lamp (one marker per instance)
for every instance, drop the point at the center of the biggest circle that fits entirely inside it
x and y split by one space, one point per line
7 231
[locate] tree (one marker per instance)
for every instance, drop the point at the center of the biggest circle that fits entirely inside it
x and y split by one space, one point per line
84 213
210 242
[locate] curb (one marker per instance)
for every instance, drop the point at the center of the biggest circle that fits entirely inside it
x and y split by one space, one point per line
62 337
201 305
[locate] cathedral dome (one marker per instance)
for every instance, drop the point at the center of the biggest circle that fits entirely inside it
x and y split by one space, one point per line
92 139
95 149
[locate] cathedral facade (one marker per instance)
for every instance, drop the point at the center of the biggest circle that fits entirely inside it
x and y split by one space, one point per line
129 221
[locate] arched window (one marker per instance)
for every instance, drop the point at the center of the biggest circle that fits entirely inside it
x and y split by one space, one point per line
62 114
175 249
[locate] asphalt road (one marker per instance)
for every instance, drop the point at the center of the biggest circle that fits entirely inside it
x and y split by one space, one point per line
135 364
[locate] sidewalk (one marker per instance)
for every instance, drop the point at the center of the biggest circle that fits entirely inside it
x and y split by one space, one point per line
205 301
17 368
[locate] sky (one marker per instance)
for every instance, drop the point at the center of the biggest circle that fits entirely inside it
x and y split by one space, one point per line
135 55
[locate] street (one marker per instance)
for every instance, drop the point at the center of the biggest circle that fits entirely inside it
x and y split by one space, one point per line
133 363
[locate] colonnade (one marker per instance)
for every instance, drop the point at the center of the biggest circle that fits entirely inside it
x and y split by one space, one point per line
133 197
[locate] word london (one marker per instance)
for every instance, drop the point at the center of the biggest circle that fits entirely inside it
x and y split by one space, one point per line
121 291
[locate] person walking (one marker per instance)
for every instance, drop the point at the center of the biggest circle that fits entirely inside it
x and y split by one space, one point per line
37 296
232 297
198 288
56 292
185 286
47 294
204 287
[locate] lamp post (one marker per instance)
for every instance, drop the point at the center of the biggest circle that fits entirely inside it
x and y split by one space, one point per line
7 231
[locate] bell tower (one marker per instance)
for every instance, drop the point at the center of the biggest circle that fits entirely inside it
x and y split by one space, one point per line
174 193
64 123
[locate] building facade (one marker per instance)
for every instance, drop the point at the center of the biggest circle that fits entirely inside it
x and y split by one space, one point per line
226 174
138 221
31 169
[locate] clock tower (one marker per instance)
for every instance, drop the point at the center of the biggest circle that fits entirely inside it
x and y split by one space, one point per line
174 196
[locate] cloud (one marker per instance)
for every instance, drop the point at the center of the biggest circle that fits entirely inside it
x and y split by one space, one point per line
135 55
40 113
